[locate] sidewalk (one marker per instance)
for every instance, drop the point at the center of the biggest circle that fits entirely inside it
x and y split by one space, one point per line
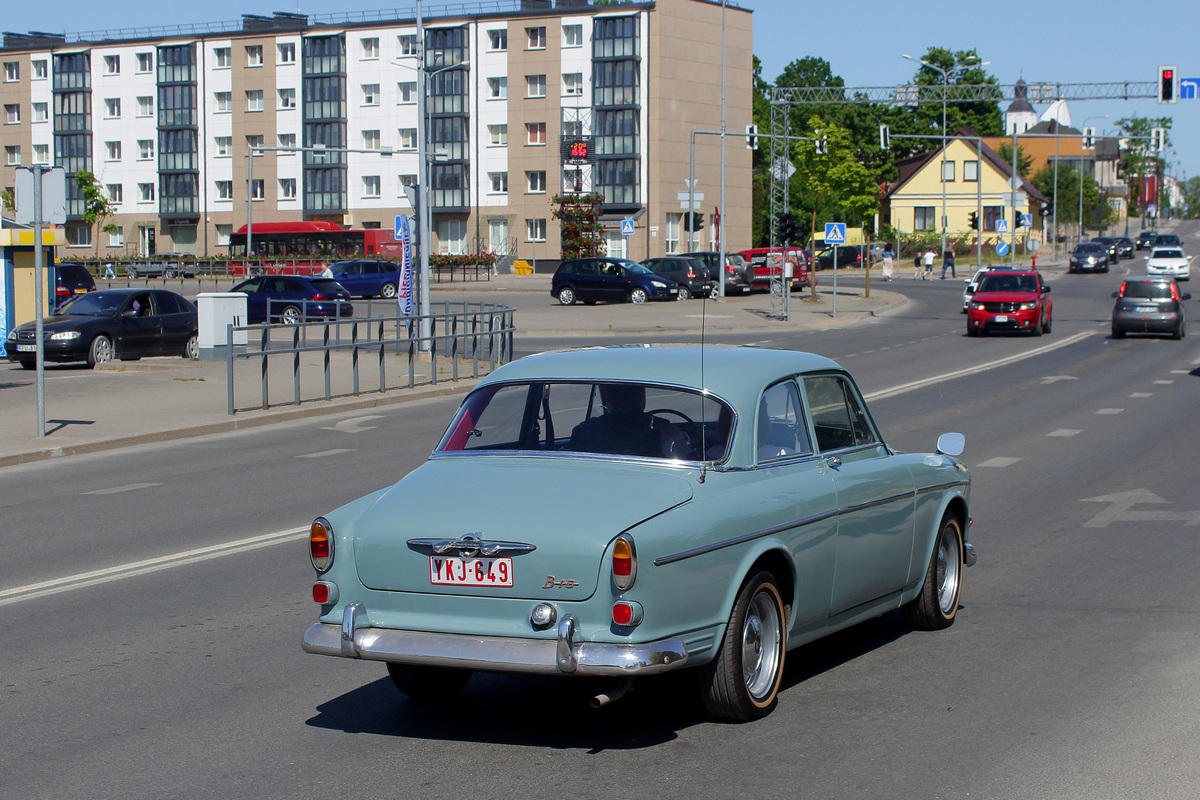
159 399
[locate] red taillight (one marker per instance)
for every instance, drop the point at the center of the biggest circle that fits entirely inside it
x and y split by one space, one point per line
320 544
622 613
1121 291
624 562
60 291
320 297
321 593
1175 291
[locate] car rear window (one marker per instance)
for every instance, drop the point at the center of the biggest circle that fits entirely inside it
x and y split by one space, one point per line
1154 290
75 273
327 286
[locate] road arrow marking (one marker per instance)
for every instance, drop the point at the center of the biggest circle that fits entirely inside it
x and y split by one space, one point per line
1120 504
354 425
1049 379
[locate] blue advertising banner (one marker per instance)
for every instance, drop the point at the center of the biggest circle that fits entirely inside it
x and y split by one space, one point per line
404 293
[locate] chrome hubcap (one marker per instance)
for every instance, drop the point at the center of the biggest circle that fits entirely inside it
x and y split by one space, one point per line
760 646
949 564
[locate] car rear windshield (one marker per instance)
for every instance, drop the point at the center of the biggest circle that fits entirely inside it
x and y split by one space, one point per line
73 272
1008 283
1154 290
327 286
623 419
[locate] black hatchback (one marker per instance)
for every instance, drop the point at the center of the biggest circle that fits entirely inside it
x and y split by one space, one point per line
690 273
1149 305
71 280
612 279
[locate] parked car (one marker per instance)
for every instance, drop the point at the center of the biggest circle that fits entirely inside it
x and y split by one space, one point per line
1088 257
738 274
114 323
610 279
973 284
696 508
1144 239
848 256
1169 261
1124 246
690 274
1110 247
163 265
291 299
71 280
366 278
1165 240
1149 305
1012 300
767 263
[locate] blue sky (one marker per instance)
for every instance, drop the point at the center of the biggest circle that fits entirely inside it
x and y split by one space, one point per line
1051 40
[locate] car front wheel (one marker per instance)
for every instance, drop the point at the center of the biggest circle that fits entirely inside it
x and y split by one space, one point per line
388 291
101 351
428 683
684 293
936 605
566 296
637 295
742 683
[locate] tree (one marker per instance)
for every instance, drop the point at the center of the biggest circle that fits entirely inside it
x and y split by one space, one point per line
1139 161
1191 196
581 227
963 68
8 200
96 207
1024 160
1097 213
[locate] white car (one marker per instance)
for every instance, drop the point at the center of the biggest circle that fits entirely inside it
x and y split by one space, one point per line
973 284
1169 261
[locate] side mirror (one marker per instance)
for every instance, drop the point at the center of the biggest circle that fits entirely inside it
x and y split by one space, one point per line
970 289
1114 294
951 444
1185 296
1145 258
1046 288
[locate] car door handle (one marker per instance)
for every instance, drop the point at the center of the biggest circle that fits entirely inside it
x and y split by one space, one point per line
833 461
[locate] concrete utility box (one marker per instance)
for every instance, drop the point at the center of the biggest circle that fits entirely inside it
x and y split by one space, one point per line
217 311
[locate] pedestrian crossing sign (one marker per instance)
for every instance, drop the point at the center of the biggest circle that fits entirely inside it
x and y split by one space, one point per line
835 233
1001 226
627 227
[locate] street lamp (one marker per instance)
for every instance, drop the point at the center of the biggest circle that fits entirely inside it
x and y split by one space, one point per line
945 82
1085 122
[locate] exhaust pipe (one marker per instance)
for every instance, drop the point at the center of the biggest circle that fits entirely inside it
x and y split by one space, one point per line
618 691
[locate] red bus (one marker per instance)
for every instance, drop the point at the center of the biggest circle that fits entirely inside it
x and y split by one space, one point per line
307 246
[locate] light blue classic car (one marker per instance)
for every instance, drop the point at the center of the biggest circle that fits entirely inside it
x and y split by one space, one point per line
623 511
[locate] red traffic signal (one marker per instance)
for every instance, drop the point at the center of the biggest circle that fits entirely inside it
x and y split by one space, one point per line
1168 84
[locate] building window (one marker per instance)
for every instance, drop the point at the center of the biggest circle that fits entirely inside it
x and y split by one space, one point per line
254 141
370 94
254 55
992 215
286 52
408 91
12 113
287 188
572 36
116 193
370 186
12 71
923 219
41 154
572 127
535 133
145 62
572 83
224 190
116 238
673 224
498 39
535 230
370 140
535 85
406 180
112 108
287 140
408 44
224 102
223 57
948 171
287 98
257 189
536 38
12 155
499 182
971 171
254 100
79 235
535 182
497 88
370 48
145 192
41 70
145 149
572 180
112 65
112 151
145 106
224 145
41 112
616 180
408 138
498 135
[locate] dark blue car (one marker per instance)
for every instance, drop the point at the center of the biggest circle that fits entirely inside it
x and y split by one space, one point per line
364 278
609 279
294 298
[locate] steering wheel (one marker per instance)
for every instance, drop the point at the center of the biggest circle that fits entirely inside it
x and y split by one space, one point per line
690 430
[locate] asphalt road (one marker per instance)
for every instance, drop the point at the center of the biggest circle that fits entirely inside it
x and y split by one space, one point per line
154 599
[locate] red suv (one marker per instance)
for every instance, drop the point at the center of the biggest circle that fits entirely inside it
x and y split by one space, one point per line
1010 300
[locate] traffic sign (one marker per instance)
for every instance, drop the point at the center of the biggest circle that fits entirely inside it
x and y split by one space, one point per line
1002 249
1027 220
1001 227
835 233
627 227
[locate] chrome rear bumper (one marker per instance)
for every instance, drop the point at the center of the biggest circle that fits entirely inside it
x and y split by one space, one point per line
562 655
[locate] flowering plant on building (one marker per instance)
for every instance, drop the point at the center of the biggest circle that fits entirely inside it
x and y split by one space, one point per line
581 227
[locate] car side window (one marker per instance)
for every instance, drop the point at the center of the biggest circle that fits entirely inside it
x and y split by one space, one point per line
838 418
167 304
782 431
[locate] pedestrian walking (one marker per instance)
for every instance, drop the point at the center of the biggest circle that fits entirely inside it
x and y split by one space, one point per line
929 257
888 266
108 272
948 262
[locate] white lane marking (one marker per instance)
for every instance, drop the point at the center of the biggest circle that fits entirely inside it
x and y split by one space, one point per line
1110 411
129 487
1197 361
1142 395
908 387
81 580
1181 372
324 453
1064 432
1163 383
999 462
354 425
1049 379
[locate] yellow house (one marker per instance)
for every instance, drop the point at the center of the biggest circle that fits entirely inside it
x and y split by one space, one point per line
975 180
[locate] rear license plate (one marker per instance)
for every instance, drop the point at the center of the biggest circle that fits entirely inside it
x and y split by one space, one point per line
27 348
1145 309
456 571
81 291
1002 318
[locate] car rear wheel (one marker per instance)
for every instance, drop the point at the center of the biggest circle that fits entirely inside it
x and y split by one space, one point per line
291 315
566 296
191 350
1180 332
1117 333
684 293
637 295
936 605
428 683
388 291
101 351
742 682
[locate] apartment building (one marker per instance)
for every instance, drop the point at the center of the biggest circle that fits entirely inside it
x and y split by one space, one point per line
525 99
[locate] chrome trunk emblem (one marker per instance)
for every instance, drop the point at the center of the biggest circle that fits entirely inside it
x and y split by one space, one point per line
470 545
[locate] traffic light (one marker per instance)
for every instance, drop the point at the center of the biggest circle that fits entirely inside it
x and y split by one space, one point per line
1168 82
821 144
751 137
1044 211
1158 139
885 137
787 228
973 220
1089 138
692 221
1018 219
